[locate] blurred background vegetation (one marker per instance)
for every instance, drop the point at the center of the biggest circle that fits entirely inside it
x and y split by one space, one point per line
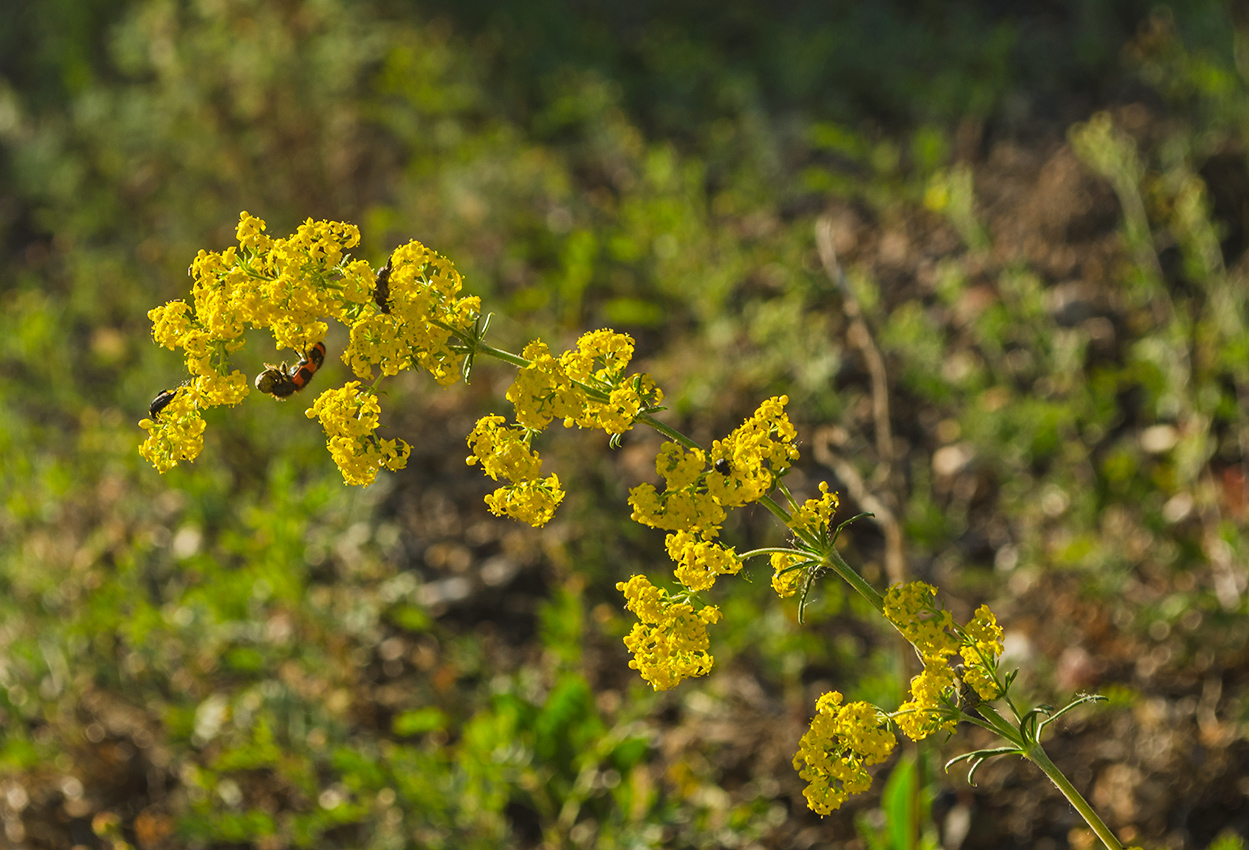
1042 216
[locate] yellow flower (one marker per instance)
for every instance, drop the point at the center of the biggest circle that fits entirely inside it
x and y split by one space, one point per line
170 322
215 390
349 416
785 581
291 286
533 502
695 498
986 635
543 390
176 434
835 752
502 451
981 649
643 598
600 357
815 515
425 311
684 505
912 609
682 510
598 362
699 562
250 233
925 712
615 416
670 642
983 682
679 467
757 451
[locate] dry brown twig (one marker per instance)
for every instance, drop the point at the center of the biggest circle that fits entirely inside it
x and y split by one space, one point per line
860 336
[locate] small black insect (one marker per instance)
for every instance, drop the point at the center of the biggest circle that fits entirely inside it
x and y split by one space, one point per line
381 292
164 397
722 466
161 401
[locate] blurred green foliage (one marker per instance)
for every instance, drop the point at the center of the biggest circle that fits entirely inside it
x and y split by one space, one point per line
244 653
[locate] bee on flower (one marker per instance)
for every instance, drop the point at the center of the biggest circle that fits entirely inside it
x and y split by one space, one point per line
282 381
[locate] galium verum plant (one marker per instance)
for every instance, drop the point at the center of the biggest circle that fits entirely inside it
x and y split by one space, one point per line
410 314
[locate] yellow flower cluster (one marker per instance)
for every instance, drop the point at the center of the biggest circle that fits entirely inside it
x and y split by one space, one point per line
543 390
177 432
696 496
685 503
290 287
561 388
786 579
815 515
695 499
981 649
416 319
912 610
505 452
758 452
925 712
279 284
699 562
349 416
178 436
669 643
836 751
585 387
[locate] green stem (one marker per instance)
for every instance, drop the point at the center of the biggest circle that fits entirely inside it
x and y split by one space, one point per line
770 550
839 566
1000 726
1037 755
500 354
967 717
667 430
783 515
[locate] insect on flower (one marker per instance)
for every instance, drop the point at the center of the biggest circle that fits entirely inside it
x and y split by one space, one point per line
282 381
163 398
161 402
381 291
722 466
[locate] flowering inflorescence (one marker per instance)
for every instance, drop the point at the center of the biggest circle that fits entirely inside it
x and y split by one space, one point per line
349 416
420 325
699 489
936 637
585 386
505 452
410 315
830 759
835 752
669 642
291 287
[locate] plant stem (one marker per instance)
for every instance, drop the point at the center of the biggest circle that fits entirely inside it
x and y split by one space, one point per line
667 430
500 354
999 725
1037 755
769 550
839 566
